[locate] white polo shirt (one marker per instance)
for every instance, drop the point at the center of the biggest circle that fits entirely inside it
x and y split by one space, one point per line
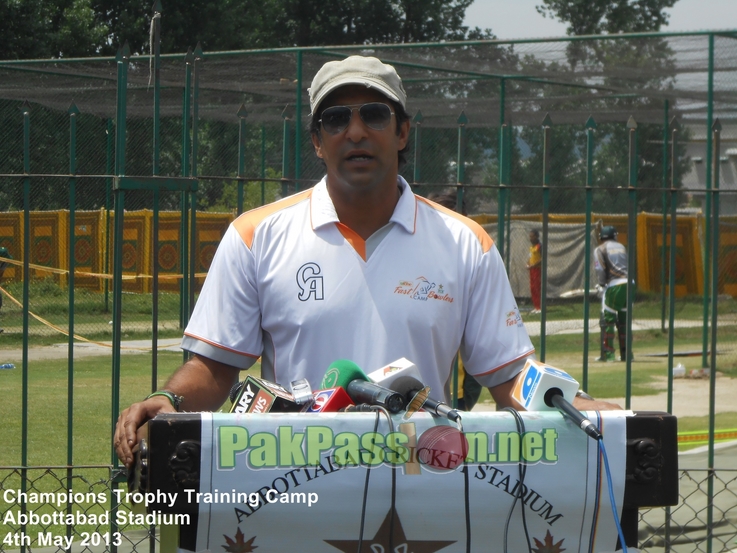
291 284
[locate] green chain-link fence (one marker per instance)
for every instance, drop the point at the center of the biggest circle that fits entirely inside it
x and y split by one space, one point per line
635 131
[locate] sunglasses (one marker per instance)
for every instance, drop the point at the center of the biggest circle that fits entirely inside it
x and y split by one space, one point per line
375 115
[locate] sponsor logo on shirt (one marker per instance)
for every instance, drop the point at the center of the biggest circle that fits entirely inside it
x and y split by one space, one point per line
514 318
423 290
309 282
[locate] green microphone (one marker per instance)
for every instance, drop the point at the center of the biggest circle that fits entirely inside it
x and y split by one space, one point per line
349 376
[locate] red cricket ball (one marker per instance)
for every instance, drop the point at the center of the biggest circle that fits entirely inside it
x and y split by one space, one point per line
442 447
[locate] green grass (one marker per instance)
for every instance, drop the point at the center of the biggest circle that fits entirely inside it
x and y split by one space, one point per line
647 306
93 418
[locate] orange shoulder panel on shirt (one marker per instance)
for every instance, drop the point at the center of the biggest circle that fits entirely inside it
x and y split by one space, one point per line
246 223
478 230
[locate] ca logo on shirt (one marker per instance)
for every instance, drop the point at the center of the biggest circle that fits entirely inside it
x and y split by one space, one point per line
309 282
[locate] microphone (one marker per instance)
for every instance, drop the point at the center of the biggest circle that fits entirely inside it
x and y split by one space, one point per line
301 391
396 369
408 386
542 387
347 375
256 395
331 400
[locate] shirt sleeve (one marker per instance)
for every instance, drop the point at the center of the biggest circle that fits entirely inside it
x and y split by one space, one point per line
495 343
226 321
600 266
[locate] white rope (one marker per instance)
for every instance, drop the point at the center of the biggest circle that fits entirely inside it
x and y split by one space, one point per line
156 16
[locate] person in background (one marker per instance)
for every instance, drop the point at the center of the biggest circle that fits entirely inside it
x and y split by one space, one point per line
534 266
610 264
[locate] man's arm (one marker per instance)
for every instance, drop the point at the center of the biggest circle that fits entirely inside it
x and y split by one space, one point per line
502 395
600 266
203 383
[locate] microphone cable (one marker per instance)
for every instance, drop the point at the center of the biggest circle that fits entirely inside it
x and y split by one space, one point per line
377 409
622 543
467 493
522 468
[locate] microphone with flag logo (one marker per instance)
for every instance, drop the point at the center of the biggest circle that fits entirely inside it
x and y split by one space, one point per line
256 395
331 400
542 387
347 375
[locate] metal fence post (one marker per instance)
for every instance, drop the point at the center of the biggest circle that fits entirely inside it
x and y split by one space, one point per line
157 86
108 200
507 168
122 60
461 161
631 249
156 20
26 109
197 67
716 130
242 114
417 120
590 127
285 153
298 125
665 215
73 112
184 205
672 257
671 288
708 206
501 206
547 124
263 164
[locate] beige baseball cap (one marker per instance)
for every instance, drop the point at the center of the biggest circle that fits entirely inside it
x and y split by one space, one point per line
360 70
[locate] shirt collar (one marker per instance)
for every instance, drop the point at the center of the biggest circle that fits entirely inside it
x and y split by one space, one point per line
322 210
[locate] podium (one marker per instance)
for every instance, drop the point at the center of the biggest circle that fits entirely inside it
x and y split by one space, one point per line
344 482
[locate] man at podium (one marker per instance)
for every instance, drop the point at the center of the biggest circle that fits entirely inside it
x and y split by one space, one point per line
357 267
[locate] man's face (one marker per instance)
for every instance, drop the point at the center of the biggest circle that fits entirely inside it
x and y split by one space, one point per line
360 158
533 238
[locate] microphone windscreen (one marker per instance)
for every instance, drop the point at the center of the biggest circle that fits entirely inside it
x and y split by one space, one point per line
406 385
341 373
235 390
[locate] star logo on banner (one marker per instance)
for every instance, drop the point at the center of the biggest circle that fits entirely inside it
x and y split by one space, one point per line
399 544
548 546
239 545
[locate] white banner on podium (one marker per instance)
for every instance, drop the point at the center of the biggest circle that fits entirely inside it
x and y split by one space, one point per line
299 482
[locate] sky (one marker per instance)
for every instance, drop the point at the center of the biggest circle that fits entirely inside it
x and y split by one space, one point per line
519 19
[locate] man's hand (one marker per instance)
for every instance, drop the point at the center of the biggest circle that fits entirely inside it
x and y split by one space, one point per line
203 383
131 419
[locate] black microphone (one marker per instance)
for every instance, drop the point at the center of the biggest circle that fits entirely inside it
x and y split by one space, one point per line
256 395
554 398
408 386
347 375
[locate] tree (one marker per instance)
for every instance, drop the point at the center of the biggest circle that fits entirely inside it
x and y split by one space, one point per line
48 29
607 16
650 59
